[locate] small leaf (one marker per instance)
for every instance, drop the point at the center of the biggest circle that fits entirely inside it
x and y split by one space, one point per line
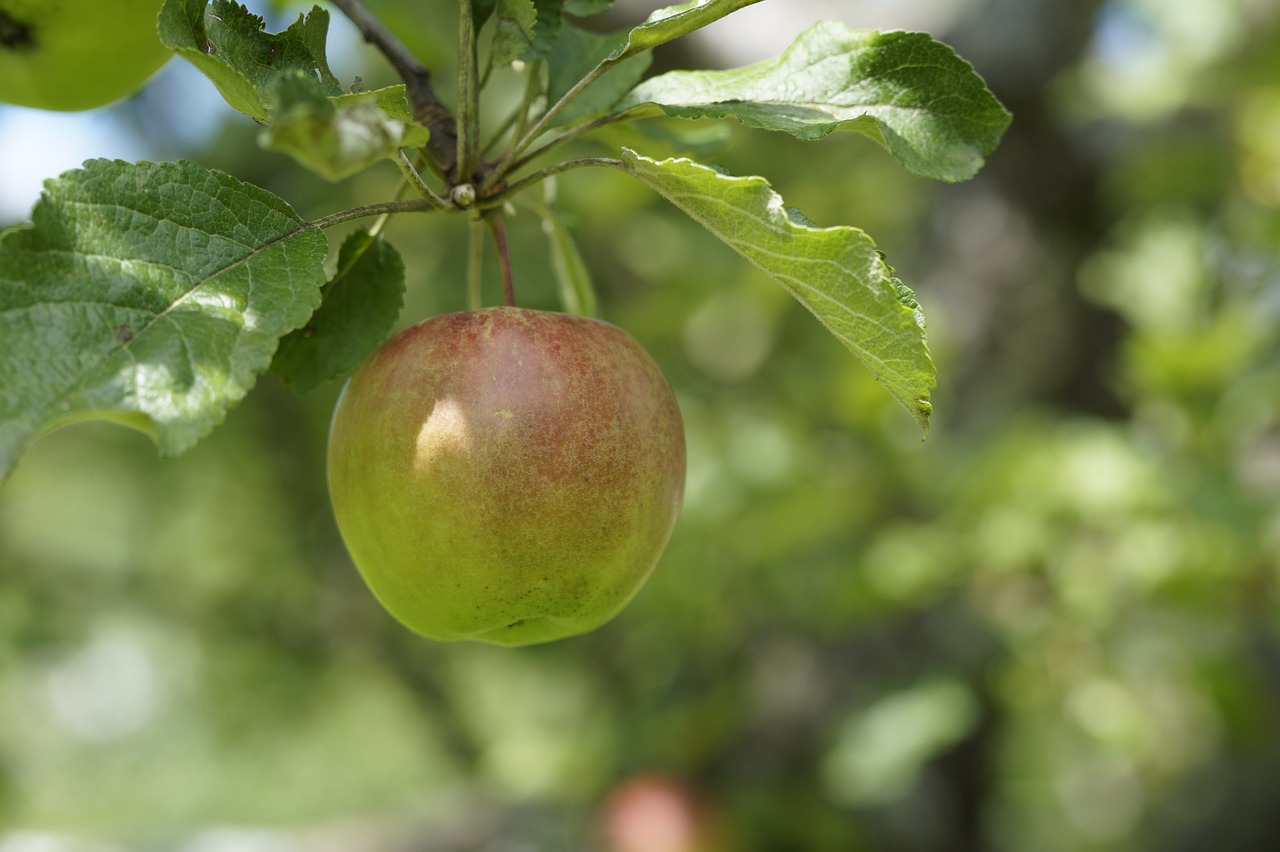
360 306
545 30
575 53
150 294
837 273
911 94
513 30
586 8
229 45
576 291
672 22
480 12
339 136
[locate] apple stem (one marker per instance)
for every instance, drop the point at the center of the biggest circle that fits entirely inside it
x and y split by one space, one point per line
475 264
498 229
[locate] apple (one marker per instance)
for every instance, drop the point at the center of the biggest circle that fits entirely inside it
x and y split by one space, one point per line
658 813
506 475
76 54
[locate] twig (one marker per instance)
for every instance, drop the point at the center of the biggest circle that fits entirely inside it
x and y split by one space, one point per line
568 165
428 109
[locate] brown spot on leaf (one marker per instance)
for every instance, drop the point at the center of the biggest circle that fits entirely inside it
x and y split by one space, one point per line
123 332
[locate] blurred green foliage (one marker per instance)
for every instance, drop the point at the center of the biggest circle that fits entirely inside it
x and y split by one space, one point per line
1053 626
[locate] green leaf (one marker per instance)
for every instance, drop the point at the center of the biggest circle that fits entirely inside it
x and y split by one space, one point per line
911 94
360 306
229 45
575 53
150 294
837 273
480 12
339 136
513 30
586 8
547 27
672 22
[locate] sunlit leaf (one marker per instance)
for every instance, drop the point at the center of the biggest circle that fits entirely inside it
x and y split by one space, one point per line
908 92
231 47
150 294
671 22
339 136
837 273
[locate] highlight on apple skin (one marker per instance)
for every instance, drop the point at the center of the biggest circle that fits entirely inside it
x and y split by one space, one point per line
506 475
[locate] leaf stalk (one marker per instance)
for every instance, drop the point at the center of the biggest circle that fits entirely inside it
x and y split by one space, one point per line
413 177
508 160
498 199
383 207
498 230
475 263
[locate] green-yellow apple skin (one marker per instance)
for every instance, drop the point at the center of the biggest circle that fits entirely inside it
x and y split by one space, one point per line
506 475
76 54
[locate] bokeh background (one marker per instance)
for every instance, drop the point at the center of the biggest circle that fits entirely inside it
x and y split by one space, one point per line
1051 626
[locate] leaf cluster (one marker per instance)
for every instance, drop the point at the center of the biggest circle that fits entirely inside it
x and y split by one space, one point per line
155 294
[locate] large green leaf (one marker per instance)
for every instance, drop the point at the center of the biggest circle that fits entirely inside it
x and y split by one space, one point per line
360 306
341 135
230 46
837 273
908 92
149 294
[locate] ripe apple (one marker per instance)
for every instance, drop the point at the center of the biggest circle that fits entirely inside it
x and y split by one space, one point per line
76 54
658 813
506 475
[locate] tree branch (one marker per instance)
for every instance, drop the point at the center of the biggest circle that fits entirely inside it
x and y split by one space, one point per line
428 109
